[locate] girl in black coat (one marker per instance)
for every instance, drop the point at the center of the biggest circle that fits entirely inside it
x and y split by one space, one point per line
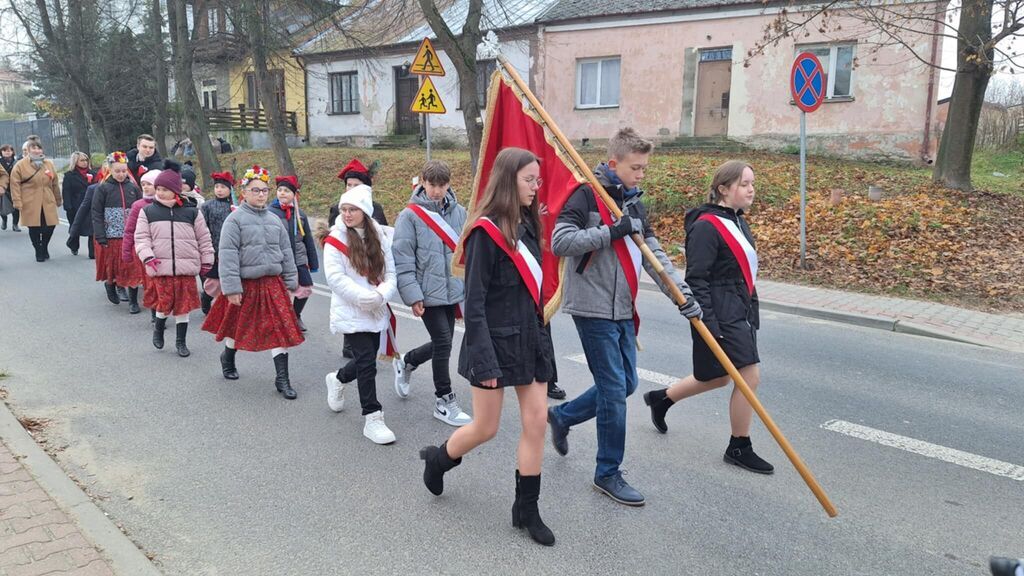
76 181
721 269
506 343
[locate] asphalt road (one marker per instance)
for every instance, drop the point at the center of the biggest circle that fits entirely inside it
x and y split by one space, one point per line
215 477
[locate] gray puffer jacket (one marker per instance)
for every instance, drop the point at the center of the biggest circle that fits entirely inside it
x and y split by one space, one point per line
594 285
423 262
254 244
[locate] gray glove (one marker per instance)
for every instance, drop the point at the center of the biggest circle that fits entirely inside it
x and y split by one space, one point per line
625 226
691 309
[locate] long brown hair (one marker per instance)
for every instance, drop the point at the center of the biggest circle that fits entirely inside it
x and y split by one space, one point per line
366 254
726 175
500 201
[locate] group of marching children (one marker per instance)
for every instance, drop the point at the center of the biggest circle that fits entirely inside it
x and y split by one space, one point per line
256 258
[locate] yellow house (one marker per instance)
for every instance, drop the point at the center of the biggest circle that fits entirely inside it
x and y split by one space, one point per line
289 87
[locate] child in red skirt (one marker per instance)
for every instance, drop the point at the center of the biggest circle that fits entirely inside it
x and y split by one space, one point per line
257 270
128 245
111 205
286 207
173 242
215 212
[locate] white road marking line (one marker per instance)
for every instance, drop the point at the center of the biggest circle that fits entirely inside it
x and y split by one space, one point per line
951 455
648 375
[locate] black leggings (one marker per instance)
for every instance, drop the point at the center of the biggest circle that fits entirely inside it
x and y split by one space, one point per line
363 368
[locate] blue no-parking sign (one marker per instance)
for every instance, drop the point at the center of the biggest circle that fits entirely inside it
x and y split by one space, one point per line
807 82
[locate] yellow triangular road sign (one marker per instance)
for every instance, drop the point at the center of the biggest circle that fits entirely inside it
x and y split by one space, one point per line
427 62
427 100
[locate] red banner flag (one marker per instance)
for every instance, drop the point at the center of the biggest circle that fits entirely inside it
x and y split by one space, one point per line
512 122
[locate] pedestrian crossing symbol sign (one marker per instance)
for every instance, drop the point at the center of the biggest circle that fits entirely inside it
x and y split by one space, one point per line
427 100
427 62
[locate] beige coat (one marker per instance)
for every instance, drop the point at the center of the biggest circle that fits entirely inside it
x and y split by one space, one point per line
34 191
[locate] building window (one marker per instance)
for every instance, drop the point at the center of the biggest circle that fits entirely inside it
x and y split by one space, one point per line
252 95
484 69
837 62
210 94
213 19
597 83
344 92
716 55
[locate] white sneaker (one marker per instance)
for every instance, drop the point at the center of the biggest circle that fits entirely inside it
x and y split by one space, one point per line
446 409
402 376
335 392
376 430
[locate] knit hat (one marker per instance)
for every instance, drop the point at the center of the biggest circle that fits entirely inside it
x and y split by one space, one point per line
361 197
169 177
356 169
289 182
150 177
188 175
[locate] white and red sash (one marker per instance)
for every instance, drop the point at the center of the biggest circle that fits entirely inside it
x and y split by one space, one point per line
630 258
387 347
444 231
740 247
529 268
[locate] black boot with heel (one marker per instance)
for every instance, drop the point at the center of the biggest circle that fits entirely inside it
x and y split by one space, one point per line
436 463
525 513
179 340
227 364
282 382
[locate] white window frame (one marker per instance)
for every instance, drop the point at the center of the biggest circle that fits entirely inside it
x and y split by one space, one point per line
354 92
579 82
212 20
833 49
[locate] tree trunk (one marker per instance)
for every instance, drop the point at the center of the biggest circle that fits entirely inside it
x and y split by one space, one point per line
461 50
194 118
258 29
974 68
80 127
156 34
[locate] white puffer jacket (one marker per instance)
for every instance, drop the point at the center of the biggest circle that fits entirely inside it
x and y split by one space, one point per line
355 305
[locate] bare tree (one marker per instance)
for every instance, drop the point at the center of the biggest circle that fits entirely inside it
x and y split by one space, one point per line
156 32
260 36
182 42
984 44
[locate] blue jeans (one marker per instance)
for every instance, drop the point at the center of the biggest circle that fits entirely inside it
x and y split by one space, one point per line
610 348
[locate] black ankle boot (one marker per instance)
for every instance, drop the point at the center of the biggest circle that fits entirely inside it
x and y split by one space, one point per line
179 340
205 301
40 256
282 383
158 333
298 304
525 513
112 293
554 392
436 463
227 364
659 402
133 301
122 294
741 453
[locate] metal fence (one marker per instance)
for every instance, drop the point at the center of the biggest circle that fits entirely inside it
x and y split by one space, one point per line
58 141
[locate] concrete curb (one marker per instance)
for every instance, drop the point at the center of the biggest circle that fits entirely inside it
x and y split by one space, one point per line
96 526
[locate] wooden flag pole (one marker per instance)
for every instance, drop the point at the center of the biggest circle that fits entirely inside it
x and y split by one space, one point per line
677 296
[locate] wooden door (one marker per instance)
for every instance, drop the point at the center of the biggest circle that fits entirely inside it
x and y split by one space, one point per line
406 87
712 114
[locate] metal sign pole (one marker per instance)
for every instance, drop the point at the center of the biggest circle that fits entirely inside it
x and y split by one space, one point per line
428 136
803 190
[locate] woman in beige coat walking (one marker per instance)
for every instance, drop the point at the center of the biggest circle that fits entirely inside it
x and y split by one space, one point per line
35 193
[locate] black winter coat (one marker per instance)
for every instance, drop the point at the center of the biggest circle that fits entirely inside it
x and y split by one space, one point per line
154 162
72 190
505 334
111 203
730 310
82 225
216 211
303 248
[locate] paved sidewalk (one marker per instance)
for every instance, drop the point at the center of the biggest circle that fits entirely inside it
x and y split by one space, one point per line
896 314
36 536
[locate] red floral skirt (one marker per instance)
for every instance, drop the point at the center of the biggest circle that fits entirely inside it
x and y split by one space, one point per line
174 295
265 319
110 268
148 290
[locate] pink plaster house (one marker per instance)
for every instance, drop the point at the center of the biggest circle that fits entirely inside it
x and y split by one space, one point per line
675 68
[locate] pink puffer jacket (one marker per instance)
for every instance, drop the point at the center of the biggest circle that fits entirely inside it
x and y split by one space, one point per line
177 236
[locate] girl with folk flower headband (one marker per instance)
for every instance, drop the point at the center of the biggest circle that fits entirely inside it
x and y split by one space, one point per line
257 271
111 206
